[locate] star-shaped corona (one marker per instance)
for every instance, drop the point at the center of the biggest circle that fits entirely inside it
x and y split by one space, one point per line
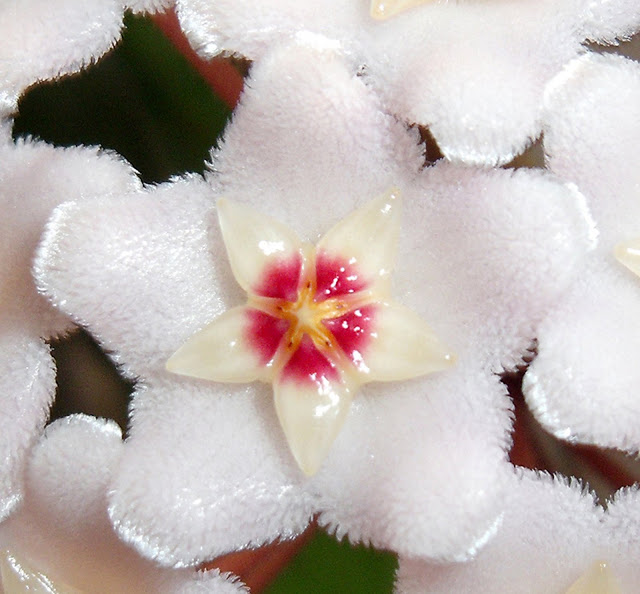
318 321
385 9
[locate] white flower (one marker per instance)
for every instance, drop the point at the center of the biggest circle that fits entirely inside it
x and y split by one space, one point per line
34 178
583 385
60 540
474 71
43 39
554 539
482 256
319 321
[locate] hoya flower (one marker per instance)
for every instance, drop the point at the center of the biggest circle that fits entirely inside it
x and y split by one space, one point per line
61 541
318 322
583 384
554 538
34 178
474 71
416 467
42 40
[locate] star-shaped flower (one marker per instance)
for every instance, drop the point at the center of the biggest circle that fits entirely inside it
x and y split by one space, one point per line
474 71
34 178
417 465
60 540
319 321
554 538
583 384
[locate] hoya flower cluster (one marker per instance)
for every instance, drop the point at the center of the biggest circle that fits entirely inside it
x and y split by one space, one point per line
317 326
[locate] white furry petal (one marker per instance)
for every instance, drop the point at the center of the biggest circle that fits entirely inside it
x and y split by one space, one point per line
482 255
303 120
477 78
165 241
551 535
150 6
62 529
42 40
27 386
492 251
583 383
474 72
609 21
34 178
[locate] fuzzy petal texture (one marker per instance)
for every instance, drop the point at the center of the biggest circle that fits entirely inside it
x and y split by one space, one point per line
417 465
608 21
551 535
583 384
474 72
27 388
42 40
149 6
62 529
34 178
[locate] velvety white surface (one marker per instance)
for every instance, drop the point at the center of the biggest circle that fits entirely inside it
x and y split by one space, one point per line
149 5
43 39
552 533
584 383
34 178
62 528
27 387
482 256
473 71
608 21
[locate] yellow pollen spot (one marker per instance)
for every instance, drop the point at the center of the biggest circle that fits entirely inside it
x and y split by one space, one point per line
305 316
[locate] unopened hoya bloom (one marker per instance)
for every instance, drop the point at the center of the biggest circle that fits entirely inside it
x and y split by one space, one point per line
35 178
554 539
583 386
474 71
416 467
318 323
60 540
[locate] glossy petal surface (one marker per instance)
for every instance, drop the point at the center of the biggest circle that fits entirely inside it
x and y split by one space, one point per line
368 240
598 579
312 401
223 352
403 346
583 383
264 254
18 577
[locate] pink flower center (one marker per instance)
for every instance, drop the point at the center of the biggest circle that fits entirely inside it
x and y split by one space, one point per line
306 320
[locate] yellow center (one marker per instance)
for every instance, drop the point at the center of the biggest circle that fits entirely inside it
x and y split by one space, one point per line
305 316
